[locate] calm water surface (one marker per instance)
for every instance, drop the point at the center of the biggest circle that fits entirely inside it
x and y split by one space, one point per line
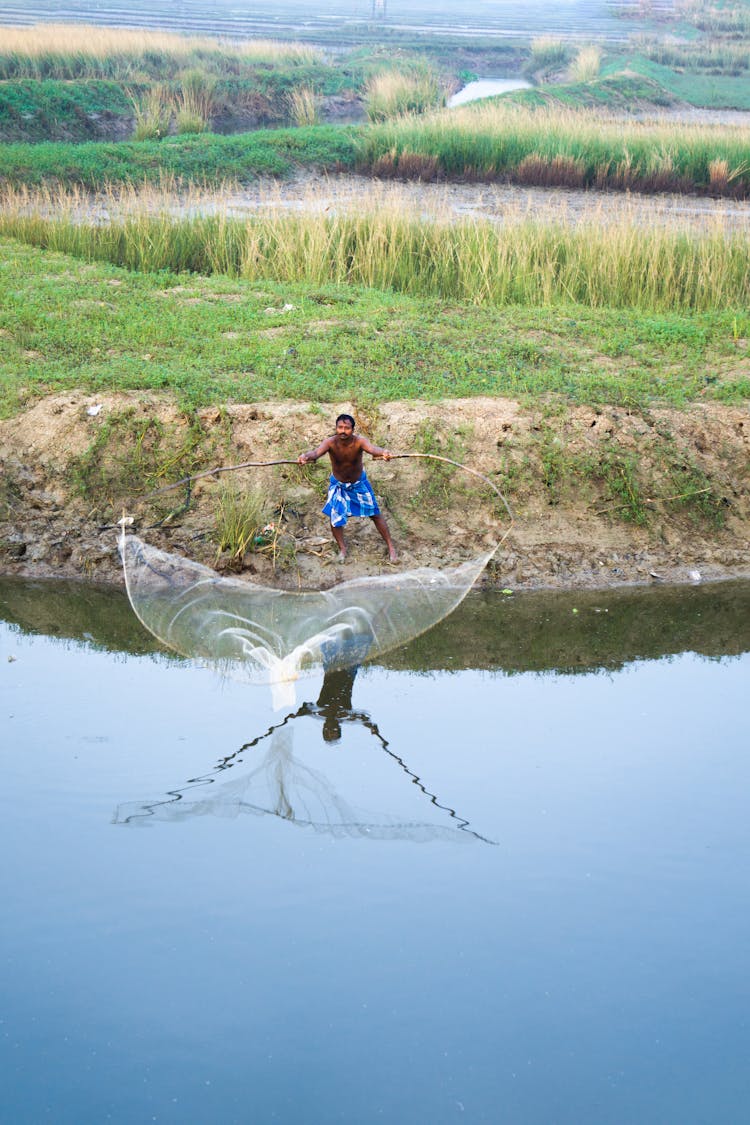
502 878
487 88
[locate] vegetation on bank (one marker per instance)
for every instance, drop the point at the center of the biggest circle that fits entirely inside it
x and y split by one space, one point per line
484 142
63 83
561 148
65 323
531 262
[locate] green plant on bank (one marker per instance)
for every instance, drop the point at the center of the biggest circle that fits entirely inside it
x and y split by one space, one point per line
696 494
131 455
617 470
687 486
438 484
554 463
241 515
303 106
153 113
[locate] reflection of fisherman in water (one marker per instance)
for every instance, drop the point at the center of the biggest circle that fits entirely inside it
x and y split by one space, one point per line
335 705
285 786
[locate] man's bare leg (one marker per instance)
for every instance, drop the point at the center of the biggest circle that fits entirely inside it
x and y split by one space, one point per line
382 527
338 535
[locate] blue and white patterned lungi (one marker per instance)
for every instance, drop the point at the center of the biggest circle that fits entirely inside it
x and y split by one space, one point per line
353 499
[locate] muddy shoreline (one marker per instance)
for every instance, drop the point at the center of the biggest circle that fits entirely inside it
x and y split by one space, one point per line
571 540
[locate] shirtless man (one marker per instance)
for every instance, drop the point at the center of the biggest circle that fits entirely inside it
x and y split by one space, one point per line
349 490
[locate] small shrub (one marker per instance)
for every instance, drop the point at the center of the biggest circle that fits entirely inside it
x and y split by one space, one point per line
586 65
618 472
133 454
240 517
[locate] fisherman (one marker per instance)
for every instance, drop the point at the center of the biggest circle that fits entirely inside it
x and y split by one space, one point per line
349 491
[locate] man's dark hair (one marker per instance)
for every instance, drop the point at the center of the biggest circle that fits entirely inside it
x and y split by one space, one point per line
345 418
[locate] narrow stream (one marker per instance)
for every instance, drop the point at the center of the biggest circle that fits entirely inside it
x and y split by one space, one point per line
501 875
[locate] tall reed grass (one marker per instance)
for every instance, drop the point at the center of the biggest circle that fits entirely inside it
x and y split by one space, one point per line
587 64
394 93
69 51
568 147
303 106
619 264
547 50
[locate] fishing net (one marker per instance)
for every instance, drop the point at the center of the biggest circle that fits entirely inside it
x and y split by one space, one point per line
341 795
265 635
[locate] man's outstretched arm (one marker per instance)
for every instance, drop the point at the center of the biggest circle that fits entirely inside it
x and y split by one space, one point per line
314 454
375 450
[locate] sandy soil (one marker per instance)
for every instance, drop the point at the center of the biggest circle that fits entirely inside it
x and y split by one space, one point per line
574 539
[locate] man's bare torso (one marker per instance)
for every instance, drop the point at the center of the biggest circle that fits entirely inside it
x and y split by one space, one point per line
346 457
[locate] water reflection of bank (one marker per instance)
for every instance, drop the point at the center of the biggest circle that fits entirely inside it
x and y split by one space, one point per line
524 632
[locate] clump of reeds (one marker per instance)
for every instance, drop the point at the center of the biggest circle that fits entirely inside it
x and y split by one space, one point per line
547 51
303 106
395 93
153 113
194 101
240 519
385 245
587 64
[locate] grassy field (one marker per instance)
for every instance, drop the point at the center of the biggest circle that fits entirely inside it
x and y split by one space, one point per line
65 323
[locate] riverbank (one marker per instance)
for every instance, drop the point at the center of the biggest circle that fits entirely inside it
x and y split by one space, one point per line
577 480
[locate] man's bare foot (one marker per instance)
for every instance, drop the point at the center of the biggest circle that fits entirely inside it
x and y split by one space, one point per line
393 557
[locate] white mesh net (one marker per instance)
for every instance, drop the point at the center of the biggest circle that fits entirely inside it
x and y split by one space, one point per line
265 635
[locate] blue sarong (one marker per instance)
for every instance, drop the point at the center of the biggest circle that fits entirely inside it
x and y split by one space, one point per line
350 499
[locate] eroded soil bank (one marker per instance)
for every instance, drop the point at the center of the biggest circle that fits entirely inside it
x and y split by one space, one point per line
600 497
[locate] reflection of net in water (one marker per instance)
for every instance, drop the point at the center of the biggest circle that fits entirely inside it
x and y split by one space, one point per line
283 785
272 636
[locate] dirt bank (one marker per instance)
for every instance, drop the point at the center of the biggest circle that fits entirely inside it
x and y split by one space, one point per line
600 498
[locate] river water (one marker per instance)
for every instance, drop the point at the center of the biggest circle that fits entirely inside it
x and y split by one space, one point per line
486 88
499 877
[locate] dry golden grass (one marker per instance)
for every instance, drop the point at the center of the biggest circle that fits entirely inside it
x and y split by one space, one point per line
88 40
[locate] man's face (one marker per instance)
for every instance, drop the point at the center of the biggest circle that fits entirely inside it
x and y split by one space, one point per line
344 430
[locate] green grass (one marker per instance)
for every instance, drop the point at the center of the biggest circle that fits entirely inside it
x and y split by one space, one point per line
696 87
36 111
68 324
206 159
617 93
